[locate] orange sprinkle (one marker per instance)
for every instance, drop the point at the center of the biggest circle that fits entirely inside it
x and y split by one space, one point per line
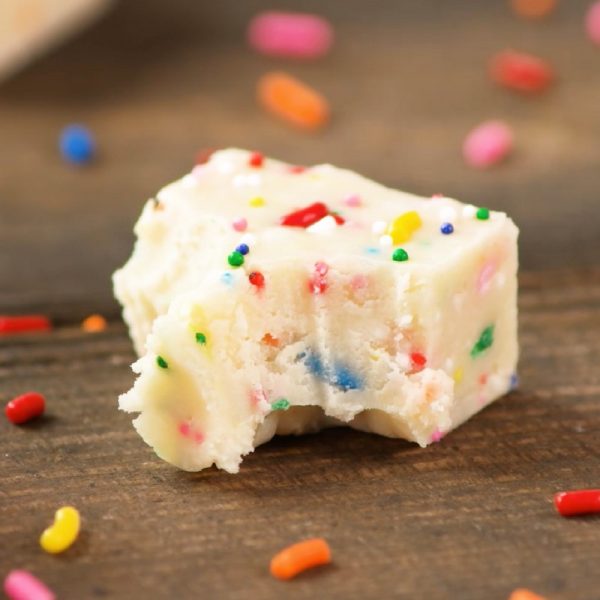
533 9
94 324
523 594
301 556
269 340
292 100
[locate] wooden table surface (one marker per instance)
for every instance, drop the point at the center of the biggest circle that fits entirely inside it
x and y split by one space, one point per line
469 518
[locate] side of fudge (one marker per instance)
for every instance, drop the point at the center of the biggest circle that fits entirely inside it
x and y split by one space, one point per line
319 325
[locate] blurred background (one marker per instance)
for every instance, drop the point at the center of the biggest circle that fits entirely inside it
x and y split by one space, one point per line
156 82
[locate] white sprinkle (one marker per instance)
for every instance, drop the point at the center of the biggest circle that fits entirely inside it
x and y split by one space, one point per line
325 225
449 365
248 239
448 214
405 320
385 241
469 211
378 227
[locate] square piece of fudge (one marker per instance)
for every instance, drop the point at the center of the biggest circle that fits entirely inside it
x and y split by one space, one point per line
270 299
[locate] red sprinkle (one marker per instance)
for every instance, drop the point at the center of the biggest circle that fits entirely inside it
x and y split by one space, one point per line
317 284
521 72
305 217
418 361
24 323
25 407
577 502
256 159
257 279
338 218
297 169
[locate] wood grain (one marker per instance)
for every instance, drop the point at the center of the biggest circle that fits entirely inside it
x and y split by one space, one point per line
468 518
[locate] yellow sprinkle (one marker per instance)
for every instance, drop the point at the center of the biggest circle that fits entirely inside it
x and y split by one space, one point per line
458 375
403 226
258 201
63 532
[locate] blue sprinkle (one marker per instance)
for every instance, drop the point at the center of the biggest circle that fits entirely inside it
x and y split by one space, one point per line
345 379
372 250
447 228
77 144
342 376
227 278
243 249
514 381
315 365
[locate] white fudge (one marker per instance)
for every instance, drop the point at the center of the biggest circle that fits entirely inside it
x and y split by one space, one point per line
375 313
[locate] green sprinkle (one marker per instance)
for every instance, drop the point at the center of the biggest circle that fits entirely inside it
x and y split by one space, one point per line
486 339
161 362
236 259
201 338
483 214
400 255
281 404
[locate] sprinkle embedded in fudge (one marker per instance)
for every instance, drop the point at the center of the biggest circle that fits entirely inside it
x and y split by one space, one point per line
281 404
400 255
447 228
257 202
161 362
485 341
236 259
320 314
483 214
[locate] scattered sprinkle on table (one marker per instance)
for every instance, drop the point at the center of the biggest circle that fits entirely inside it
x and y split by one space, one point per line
299 557
25 407
290 34
63 532
488 144
533 9
24 324
94 324
592 23
294 101
22 585
578 502
521 72
77 144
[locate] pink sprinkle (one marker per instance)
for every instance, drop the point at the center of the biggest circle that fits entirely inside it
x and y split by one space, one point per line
484 280
291 34
186 430
487 144
359 282
353 200
198 170
318 281
434 196
22 585
437 435
240 224
297 169
257 396
592 23
483 379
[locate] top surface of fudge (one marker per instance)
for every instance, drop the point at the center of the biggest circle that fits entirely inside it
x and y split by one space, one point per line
228 197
